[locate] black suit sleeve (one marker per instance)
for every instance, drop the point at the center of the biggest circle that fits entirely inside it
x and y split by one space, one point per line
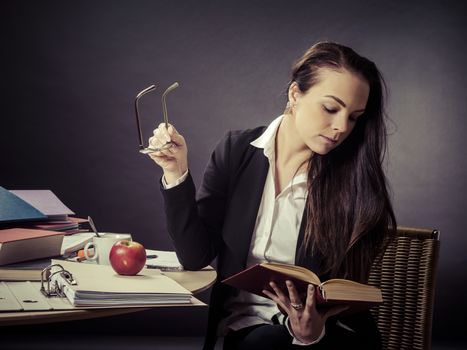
195 225
357 331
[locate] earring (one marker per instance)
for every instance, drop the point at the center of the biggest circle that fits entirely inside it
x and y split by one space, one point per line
287 105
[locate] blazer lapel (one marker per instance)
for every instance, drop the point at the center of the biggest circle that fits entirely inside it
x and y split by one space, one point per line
246 193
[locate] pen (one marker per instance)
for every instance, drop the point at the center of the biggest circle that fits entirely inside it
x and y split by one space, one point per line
165 268
91 223
152 256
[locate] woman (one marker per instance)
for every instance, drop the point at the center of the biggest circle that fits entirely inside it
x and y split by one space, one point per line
307 190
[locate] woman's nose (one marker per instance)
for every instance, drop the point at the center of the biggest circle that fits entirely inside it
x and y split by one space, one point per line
340 123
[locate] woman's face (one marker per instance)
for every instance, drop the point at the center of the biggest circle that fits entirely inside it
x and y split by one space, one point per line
327 113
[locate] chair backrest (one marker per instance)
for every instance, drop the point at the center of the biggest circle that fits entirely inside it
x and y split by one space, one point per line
405 272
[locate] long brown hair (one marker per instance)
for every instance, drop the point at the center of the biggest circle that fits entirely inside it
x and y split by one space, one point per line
349 213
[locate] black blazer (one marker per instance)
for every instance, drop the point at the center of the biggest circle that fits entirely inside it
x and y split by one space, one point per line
220 223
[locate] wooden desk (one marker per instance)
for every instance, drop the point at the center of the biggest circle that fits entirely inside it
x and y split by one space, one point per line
194 281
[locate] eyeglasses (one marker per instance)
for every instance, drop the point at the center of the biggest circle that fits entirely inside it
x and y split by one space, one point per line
167 145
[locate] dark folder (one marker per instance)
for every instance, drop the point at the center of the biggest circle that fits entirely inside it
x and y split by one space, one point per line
14 209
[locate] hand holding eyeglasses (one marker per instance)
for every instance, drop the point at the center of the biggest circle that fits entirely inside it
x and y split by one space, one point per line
166 147
172 160
147 150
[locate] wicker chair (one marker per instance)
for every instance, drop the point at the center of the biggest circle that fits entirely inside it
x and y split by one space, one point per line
406 275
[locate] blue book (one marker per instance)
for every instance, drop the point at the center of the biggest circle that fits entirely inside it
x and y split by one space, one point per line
14 209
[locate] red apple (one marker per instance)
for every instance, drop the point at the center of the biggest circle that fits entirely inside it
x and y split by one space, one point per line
127 257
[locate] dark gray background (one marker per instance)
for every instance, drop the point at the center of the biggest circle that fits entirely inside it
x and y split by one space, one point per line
70 71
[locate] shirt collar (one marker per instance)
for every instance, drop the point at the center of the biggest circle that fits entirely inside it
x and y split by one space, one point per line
266 141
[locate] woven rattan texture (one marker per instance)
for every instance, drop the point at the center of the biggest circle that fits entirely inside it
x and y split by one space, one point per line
406 276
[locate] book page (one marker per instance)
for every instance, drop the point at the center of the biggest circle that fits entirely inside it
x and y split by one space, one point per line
74 242
295 271
340 289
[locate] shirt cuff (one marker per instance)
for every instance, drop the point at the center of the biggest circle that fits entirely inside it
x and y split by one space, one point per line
176 183
295 341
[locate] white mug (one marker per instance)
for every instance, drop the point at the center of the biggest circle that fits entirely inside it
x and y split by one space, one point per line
102 246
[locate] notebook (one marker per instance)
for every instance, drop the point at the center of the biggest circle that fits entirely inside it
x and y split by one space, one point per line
46 202
15 209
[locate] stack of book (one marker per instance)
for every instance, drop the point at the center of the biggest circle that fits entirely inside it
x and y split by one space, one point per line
33 224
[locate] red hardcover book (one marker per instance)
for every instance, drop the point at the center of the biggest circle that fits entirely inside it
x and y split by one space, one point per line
357 296
21 244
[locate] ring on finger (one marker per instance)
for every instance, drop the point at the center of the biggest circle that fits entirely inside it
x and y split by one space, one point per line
297 306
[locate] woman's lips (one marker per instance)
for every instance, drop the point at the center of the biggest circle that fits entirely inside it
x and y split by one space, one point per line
328 140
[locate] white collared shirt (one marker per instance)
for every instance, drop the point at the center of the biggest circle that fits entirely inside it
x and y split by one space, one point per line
274 238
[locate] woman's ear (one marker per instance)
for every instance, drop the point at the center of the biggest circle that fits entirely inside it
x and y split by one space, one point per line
294 93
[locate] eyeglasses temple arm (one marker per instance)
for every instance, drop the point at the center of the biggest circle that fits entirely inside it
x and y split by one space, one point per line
140 134
164 104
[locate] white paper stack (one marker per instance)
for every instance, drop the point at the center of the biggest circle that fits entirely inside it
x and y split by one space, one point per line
100 285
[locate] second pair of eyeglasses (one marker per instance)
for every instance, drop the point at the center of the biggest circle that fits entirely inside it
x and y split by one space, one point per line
167 145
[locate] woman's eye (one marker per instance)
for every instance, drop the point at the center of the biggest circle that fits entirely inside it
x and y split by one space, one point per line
329 110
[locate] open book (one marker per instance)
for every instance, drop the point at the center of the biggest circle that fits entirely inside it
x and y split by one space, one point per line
334 291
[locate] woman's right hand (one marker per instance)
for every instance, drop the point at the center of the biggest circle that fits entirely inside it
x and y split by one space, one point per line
174 160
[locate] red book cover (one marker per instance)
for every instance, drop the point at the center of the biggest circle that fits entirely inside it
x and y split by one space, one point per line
20 244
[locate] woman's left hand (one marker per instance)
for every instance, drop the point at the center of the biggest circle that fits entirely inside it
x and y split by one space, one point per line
306 321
